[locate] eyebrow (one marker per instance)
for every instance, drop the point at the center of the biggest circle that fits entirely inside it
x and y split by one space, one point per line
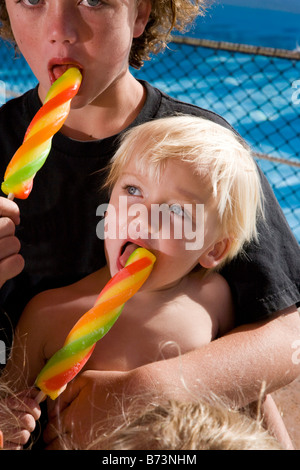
130 173
191 197
187 194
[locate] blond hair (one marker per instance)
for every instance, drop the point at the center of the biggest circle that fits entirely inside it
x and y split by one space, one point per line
11 423
178 425
165 16
211 149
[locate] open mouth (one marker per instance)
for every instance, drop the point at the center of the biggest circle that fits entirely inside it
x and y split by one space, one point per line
127 249
59 66
59 70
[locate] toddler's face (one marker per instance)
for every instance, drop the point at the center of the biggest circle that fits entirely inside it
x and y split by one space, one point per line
174 218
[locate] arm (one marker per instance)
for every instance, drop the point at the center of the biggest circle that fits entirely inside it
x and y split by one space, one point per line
233 367
236 365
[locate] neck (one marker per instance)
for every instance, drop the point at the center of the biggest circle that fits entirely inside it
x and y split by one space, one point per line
110 113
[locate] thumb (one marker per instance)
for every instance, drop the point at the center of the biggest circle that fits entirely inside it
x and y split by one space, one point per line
71 392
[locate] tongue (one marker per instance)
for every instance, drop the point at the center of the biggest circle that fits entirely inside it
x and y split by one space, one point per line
130 247
58 70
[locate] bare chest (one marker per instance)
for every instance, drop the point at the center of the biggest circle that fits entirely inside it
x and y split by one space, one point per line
145 334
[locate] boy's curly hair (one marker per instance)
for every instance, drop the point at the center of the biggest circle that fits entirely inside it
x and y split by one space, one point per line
165 16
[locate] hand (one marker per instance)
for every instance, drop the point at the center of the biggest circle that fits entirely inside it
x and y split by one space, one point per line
98 400
11 262
93 397
18 415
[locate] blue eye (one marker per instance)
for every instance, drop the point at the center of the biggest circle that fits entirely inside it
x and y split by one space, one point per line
91 3
133 191
31 2
177 209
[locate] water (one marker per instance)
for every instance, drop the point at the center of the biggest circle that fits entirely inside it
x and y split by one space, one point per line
257 26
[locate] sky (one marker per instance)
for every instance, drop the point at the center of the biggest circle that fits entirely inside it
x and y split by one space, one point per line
292 6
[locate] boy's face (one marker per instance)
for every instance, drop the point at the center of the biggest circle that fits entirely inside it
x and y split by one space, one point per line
94 35
174 218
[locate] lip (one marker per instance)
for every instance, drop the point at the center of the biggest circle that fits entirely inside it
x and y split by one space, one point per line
60 62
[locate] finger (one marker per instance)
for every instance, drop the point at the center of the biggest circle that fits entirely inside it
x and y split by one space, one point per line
9 209
67 396
11 262
9 245
25 405
33 408
11 446
22 421
7 227
19 438
27 422
11 267
17 428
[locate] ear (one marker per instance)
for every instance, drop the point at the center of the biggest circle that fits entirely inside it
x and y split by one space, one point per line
214 254
143 9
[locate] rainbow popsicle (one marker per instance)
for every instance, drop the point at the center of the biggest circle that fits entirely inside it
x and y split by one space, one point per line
32 154
93 325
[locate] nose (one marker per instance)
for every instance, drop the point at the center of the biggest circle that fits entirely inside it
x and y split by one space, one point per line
139 222
62 24
149 221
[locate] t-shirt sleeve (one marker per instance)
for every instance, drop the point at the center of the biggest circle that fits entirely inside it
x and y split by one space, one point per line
266 277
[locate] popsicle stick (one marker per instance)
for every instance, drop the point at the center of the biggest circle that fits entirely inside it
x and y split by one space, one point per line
40 396
11 196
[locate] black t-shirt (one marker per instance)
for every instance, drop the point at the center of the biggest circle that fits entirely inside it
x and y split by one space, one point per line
58 220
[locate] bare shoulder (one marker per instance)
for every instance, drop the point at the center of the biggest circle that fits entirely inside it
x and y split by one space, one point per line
53 312
45 323
214 294
54 301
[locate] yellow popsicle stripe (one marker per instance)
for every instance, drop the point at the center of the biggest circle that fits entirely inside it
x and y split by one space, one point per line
92 325
55 116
